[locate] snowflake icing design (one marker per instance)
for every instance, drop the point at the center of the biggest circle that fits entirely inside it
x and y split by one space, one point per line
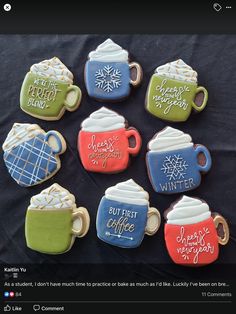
108 78
174 167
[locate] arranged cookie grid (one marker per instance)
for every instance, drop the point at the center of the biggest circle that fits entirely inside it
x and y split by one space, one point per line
45 162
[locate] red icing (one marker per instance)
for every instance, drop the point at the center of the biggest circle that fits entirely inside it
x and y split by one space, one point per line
107 151
194 244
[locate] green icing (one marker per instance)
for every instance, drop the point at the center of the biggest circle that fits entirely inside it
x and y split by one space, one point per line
171 99
49 231
42 96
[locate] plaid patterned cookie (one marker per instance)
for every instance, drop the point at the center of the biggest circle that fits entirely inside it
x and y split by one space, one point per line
31 155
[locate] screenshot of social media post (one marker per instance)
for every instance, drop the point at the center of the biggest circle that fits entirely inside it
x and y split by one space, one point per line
118 159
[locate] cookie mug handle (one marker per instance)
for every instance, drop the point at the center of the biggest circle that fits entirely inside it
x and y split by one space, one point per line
219 220
200 89
56 142
138 141
151 228
139 73
82 214
202 149
72 105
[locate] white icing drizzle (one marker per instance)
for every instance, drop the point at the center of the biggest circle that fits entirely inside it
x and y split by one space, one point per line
128 192
170 139
54 197
54 69
20 133
177 70
188 210
103 120
109 51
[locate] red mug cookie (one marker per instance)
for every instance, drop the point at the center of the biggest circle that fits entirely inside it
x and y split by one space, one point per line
191 232
105 144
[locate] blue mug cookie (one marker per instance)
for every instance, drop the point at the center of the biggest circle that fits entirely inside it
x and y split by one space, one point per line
124 215
174 163
108 73
31 155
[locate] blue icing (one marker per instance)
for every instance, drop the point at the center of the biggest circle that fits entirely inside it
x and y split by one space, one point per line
176 171
31 161
107 80
121 224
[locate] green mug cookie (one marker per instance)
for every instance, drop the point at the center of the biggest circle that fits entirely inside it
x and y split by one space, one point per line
53 221
173 92
47 90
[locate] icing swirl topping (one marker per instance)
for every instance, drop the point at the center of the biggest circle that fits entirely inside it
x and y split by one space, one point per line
103 120
177 70
54 69
188 210
109 51
128 192
54 197
20 133
170 139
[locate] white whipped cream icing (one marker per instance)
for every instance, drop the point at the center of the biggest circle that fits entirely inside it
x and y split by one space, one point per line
109 51
54 69
103 120
54 197
177 70
170 139
128 192
20 133
187 211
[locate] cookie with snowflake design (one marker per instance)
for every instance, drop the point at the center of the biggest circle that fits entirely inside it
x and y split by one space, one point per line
105 142
31 155
174 163
108 73
48 90
193 233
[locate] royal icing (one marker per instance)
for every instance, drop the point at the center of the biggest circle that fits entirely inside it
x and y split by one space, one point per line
122 216
20 133
109 51
29 155
103 120
170 139
54 197
177 70
128 192
188 210
54 69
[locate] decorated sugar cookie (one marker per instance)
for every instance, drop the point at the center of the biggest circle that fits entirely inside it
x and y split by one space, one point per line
174 163
108 73
173 92
53 221
32 155
48 90
193 233
105 142
125 216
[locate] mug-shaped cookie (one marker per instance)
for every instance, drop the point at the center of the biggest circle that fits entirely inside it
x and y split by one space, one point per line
31 155
108 73
174 163
124 215
173 92
47 90
53 221
191 232
105 144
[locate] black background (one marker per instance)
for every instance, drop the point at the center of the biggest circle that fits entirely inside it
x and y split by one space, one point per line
212 56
